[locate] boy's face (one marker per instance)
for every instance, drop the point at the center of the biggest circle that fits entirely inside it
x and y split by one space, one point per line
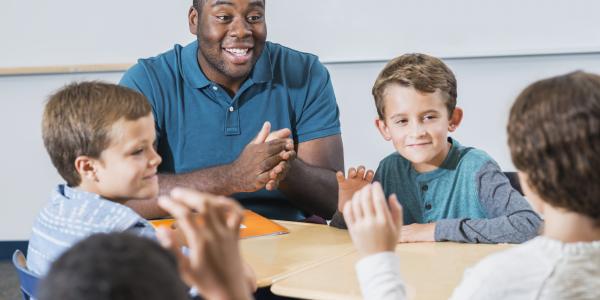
418 125
127 168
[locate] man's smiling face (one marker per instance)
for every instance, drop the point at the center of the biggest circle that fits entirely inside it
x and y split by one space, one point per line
231 36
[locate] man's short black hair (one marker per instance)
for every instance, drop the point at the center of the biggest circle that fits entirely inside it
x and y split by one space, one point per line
114 266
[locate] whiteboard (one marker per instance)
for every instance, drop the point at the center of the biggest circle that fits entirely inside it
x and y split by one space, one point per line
76 32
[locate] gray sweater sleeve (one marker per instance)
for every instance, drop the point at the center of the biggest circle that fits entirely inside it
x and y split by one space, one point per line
510 219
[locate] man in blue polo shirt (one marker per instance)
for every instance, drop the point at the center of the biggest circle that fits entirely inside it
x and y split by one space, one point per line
211 100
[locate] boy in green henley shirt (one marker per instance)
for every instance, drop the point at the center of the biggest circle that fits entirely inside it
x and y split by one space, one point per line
448 192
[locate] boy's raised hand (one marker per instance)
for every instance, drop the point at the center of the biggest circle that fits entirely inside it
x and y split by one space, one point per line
347 187
210 225
372 225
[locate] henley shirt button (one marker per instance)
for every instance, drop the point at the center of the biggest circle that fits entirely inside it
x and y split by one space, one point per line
424 188
215 88
231 108
428 206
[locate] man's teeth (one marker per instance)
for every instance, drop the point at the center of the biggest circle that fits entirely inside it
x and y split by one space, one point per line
237 51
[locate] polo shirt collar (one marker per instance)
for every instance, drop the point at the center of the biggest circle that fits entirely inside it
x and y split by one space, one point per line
262 71
191 68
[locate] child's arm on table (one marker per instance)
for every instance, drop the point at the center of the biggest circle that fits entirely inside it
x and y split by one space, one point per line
374 229
211 228
510 219
347 186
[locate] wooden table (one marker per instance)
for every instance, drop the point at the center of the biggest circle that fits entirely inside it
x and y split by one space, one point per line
276 257
430 270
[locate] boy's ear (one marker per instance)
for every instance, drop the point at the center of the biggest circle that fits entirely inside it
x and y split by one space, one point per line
383 129
86 167
193 20
455 119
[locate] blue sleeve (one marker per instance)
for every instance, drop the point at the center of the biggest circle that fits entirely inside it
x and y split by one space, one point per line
320 116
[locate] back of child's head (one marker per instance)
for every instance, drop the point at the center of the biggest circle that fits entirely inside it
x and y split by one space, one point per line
422 72
554 138
78 120
114 266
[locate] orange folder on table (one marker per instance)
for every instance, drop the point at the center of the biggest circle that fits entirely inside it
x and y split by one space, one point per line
252 225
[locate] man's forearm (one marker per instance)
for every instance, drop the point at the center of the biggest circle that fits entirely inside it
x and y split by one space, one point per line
212 180
311 188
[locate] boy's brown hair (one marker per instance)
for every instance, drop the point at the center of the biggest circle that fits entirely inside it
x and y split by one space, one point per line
423 72
554 138
78 119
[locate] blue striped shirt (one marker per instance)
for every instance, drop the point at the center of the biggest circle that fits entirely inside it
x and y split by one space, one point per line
72 215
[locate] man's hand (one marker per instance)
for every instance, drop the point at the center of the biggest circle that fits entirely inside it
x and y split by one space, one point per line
211 227
417 233
357 179
264 161
372 225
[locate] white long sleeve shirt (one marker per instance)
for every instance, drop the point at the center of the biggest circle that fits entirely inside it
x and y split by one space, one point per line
539 269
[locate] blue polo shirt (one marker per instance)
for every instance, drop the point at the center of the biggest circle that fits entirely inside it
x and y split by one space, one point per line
199 125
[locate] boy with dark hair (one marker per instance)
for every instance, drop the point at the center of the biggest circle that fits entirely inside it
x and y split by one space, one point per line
100 137
114 266
449 192
554 139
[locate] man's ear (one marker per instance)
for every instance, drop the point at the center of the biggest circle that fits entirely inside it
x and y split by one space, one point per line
193 20
383 129
455 119
86 167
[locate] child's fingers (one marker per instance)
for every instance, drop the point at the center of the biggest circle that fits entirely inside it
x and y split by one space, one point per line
349 214
186 220
366 201
168 240
215 220
379 202
395 211
164 238
351 173
191 198
360 172
339 175
178 210
233 213
370 175
356 206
